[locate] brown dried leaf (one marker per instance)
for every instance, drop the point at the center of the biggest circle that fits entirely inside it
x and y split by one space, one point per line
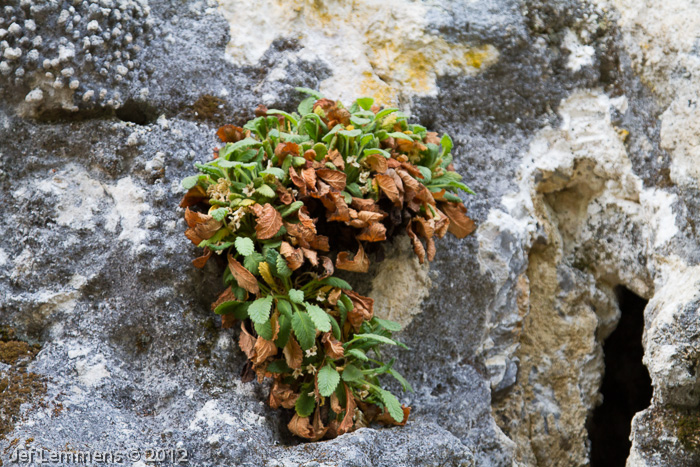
297 180
310 155
283 149
347 424
301 426
431 249
431 137
207 229
264 349
244 277
281 395
327 267
293 353
294 256
365 205
311 255
231 133
335 158
246 342
333 347
335 403
423 228
194 195
336 207
227 321
386 419
319 429
275 324
374 233
268 222
192 218
309 177
334 296
202 260
418 248
335 178
363 309
225 296
360 263
460 224
388 186
320 242
377 162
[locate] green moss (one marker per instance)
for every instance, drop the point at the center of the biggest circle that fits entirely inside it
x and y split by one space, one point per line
688 431
19 385
209 107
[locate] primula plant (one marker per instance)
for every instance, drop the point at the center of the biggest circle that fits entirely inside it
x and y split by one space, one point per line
287 200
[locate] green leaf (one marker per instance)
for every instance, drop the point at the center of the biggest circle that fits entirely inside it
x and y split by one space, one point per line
306 106
284 307
365 102
278 366
285 330
388 325
244 246
462 187
383 113
335 328
251 262
266 191
282 267
219 214
392 404
291 209
347 302
190 182
404 384
238 309
297 296
336 282
427 174
305 403
384 153
399 135
446 143
372 337
351 373
328 379
259 310
285 114
319 317
264 330
304 329
276 171
358 354
310 92
350 133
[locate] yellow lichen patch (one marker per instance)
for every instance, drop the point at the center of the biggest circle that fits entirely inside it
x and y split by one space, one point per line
373 47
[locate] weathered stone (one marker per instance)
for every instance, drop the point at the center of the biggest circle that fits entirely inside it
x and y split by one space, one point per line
573 121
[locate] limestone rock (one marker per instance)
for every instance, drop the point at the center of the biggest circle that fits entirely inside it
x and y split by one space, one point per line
574 121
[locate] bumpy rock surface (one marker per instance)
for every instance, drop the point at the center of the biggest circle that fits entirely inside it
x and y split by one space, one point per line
575 122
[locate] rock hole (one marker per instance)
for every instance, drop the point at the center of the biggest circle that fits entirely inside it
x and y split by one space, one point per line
136 112
626 385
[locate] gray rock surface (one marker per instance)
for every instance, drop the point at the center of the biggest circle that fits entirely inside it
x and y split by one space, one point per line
575 122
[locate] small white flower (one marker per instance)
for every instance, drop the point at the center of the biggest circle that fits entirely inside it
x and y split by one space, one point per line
297 373
249 189
311 352
363 177
321 297
311 369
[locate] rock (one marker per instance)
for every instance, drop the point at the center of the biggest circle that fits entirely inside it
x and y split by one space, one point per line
573 121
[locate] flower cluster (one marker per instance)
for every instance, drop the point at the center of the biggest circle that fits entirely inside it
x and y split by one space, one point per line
289 199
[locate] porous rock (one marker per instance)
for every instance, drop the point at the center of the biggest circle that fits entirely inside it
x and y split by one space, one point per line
573 121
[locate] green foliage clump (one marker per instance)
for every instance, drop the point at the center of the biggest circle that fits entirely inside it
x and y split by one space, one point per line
290 198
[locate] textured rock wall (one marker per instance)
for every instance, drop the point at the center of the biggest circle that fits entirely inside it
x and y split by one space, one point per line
575 122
